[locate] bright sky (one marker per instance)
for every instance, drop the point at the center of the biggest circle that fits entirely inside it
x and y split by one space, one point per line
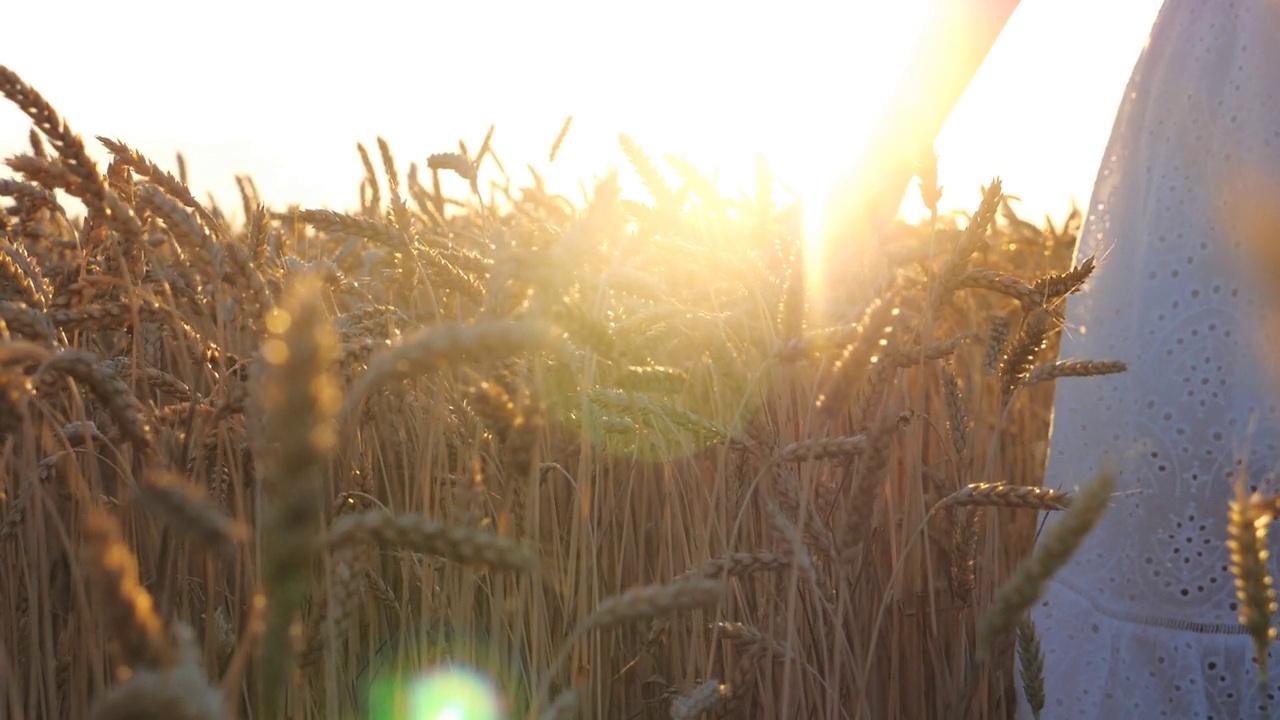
284 90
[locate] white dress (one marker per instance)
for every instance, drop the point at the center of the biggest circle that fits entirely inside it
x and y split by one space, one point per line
1142 623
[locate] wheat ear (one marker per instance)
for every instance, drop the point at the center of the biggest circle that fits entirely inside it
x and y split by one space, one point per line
459 544
1248 522
565 707
141 640
174 187
182 692
825 448
740 564
64 141
1031 665
1073 368
639 603
338 608
1055 548
699 701
1004 495
436 347
187 509
83 366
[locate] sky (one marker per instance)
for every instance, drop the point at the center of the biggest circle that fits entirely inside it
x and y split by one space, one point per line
283 91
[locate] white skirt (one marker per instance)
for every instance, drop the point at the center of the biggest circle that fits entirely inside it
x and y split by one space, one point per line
1143 622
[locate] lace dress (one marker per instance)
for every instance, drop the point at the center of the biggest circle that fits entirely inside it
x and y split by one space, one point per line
1143 622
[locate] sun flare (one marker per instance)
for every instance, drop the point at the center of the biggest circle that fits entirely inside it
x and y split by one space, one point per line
803 91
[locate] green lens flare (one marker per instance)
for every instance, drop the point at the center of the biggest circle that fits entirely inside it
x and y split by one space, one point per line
445 694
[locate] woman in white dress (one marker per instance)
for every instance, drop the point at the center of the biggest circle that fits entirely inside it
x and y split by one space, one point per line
1143 622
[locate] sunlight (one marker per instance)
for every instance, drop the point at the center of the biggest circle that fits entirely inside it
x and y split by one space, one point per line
804 90
715 82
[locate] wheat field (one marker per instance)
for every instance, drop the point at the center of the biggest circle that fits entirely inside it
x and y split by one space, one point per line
600 459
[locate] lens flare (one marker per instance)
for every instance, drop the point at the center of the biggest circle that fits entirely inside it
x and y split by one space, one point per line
453 693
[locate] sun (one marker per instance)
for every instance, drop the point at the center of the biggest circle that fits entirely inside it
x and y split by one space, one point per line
804 89
723 86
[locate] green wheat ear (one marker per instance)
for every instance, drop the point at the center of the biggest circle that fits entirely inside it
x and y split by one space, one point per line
300 399
1059 542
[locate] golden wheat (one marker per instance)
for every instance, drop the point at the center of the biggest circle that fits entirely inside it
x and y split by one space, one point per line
1249 519
1003 495
608 395
141 637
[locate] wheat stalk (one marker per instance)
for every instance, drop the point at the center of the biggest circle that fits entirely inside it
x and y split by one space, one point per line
299 400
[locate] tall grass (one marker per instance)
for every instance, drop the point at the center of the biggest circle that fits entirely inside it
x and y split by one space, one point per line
612 455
